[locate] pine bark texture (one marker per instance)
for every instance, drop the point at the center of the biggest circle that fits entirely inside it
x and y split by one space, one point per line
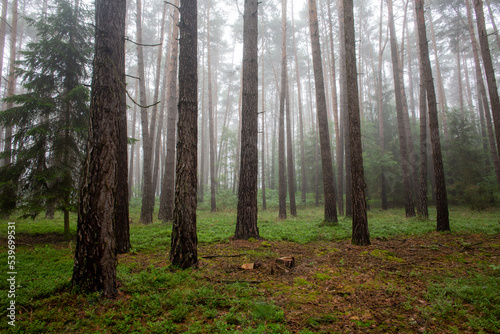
95 255
360 234
183 251
443 223
322 118
246 220
122 224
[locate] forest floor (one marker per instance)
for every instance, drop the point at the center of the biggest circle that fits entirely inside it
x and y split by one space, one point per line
421 283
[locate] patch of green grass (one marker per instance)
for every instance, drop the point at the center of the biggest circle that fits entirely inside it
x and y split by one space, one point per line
384 255
451 298
267 311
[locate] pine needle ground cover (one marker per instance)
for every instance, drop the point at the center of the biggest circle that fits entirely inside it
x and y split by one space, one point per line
410 280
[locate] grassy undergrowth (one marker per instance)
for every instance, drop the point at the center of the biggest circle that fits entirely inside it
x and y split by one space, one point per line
157 299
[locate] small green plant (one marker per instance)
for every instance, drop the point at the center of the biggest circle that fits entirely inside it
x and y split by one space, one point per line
267 311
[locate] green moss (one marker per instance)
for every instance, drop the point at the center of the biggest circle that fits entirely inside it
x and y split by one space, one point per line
385 255
322 277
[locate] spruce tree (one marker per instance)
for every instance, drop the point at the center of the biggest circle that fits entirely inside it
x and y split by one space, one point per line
50 117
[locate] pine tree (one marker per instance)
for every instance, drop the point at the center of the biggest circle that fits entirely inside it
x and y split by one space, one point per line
95 254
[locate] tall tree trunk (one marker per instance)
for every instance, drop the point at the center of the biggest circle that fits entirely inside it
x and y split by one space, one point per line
422 203
273 149
301 121
201 188
443 223
422 208
165 213
410 70
158 91
246 219
289 153
281 140
442 97
95 255
344 158
213 183
459 79
403 146
122 228
380 110
147 186
360 234
264 132
183 251
322 118
406 116
238 140
488 68
132 147
338 147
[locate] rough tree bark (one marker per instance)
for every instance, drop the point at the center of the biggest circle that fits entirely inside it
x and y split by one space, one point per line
95 255
422 203
246 219
183 250
443 223
360 234
122 223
